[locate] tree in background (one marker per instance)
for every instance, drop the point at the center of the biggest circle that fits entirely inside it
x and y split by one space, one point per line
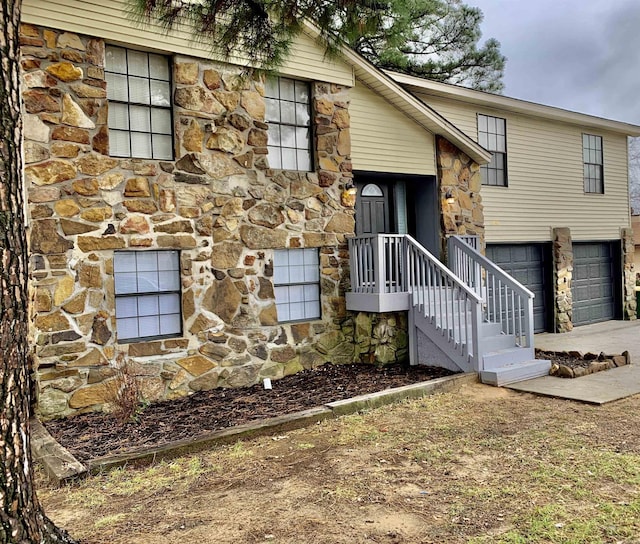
434 39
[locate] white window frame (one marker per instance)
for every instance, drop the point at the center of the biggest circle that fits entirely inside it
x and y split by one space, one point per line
288 114
296 279
492 135
139 95
593 164
148 299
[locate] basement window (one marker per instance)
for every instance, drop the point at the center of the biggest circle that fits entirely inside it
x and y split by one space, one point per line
147 289
296 277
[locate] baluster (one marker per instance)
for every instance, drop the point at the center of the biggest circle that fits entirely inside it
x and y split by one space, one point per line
519 331
513 311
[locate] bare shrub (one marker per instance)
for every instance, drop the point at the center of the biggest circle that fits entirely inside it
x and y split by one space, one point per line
125 392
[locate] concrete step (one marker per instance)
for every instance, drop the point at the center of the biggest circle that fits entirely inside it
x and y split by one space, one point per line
508 356
516 372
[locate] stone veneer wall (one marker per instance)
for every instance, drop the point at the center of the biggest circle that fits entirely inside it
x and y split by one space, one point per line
218 203
562 274
381 338
459 175
629 274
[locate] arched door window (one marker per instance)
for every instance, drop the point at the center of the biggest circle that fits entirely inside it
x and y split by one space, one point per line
371 189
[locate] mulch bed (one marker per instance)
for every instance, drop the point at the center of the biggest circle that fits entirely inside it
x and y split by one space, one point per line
575 364
90 436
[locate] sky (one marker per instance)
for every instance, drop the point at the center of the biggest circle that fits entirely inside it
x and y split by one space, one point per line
581 55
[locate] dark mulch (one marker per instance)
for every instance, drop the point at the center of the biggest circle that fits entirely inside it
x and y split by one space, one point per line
90 436
567 359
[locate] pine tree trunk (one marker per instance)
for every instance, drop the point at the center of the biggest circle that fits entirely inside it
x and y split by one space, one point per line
22 519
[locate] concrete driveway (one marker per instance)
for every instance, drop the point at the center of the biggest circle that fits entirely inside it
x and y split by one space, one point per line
612 337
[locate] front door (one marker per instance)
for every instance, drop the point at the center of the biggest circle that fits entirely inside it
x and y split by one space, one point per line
373 205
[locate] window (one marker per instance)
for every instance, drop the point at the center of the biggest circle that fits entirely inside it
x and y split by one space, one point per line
296 274
139 94
592 159
287 111
147 294
492 135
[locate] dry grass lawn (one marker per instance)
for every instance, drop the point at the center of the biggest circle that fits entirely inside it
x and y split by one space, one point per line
482 465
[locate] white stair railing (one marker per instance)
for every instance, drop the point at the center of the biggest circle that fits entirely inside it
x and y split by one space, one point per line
395 263
445 301
505 300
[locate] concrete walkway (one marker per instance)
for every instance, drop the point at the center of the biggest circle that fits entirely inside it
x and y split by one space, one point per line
612 337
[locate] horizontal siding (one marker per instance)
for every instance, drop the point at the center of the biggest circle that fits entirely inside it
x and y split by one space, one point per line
383 139
544 162
108 20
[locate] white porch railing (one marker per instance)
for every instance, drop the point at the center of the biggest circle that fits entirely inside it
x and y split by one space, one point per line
505 300
396 263
378 264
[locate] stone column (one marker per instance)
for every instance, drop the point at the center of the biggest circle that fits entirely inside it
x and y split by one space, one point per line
459 176
562 274
628 274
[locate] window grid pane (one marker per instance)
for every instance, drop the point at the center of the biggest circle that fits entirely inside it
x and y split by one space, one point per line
296 281
492 134
147 294
593 163
289 117
139 91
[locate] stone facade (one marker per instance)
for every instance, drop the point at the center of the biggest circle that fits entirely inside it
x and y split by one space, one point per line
629 274
381 338
218 203
562 274
459 177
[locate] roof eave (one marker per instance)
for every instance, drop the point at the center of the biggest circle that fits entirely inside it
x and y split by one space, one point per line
515 105
406 102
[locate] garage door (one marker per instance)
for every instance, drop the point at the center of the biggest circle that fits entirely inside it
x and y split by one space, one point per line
526 263
593 285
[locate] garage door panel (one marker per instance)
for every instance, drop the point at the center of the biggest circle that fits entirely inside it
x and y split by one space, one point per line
525 262
593 283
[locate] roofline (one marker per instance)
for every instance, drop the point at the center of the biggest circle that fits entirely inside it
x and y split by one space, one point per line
406 102
515 105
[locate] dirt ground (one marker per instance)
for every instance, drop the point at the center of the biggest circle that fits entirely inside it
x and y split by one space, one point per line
479 465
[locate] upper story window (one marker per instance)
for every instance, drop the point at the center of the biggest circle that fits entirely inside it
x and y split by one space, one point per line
492 135
288 115
593 164
139 94
296 277
147 289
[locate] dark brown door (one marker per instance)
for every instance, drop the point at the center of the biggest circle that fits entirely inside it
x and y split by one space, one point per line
372 209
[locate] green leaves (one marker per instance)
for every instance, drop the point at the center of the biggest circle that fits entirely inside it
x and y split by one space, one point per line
435 39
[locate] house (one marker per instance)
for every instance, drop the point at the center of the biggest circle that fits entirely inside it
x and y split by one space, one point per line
557 191
202 225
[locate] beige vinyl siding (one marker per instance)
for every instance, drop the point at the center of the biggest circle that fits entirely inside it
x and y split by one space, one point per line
383 139
545 178
107 19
